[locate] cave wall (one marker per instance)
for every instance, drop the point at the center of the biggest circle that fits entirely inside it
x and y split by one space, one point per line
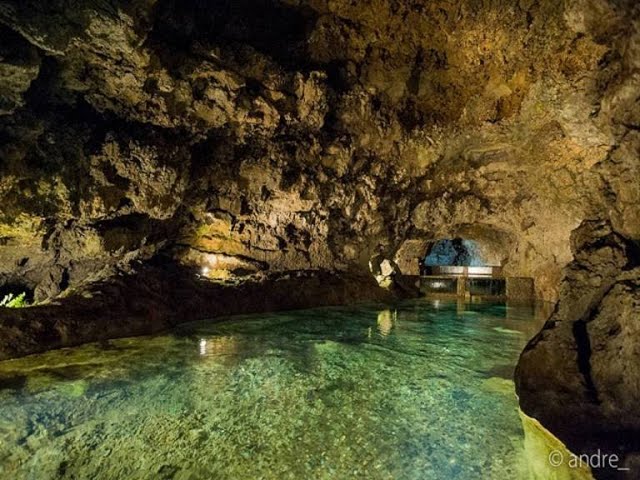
192 129
579 376
244 138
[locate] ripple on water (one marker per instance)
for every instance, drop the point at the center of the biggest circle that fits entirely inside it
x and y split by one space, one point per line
414 391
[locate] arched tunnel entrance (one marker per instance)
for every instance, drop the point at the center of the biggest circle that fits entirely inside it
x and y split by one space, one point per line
456 251
461 267
458 268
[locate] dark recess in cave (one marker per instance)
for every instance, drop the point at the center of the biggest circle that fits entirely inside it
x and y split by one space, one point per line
15 288
272 28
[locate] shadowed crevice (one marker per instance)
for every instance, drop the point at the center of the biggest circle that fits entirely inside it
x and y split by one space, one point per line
583 344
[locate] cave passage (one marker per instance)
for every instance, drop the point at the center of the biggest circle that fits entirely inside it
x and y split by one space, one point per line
457 268
456 251
164 162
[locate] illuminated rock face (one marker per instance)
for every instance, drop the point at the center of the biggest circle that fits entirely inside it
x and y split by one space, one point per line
455 252
256 137
313 143
339 132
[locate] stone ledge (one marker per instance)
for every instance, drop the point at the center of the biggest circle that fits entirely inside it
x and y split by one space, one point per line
157 298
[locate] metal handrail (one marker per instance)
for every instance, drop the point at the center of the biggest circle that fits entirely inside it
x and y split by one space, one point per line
461 271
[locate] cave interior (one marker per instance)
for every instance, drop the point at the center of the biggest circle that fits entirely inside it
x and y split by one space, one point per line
164 162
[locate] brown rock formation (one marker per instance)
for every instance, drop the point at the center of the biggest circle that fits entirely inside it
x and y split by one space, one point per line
158 297
579 375
244 138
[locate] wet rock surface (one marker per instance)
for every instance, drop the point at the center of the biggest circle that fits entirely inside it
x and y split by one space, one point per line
579 375
257 138
158 297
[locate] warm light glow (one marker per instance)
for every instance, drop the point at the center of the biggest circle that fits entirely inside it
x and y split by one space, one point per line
218 346
385 322
205 271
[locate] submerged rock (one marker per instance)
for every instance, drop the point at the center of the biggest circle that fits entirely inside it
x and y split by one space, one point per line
240 140
159 297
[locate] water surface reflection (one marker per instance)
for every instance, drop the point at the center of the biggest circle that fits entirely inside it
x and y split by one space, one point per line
416 390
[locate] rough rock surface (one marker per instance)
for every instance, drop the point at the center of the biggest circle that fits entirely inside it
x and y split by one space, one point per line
240 138
336 133
160 296
579 375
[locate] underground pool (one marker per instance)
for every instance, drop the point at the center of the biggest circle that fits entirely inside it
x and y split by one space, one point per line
419 390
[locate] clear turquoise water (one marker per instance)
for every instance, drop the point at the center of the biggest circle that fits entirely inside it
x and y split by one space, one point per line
416 391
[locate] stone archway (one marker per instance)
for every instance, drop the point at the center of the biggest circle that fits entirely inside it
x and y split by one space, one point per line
455 251
494 246
409 253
